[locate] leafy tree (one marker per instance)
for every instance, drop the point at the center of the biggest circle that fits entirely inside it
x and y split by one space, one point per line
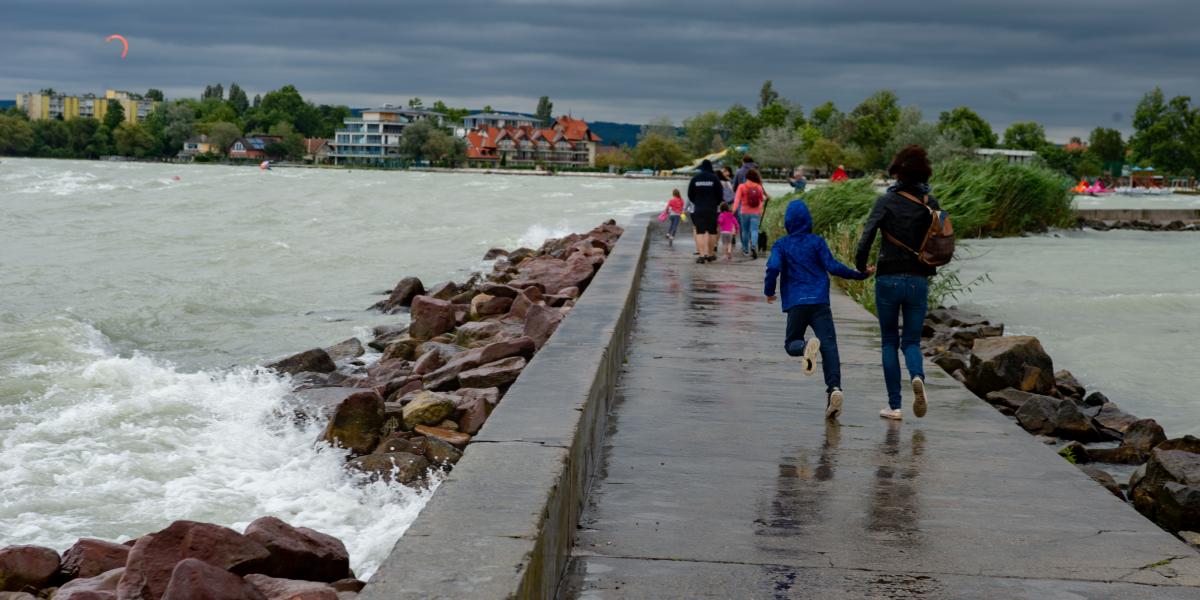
222 135
1059 159
48 92
414 103
545 110
775 114
237 99
487 108
767 95
414 139
50 138
132 139
871 124
741 127
453 115
101 143
332 118
700 131
1089 166
16 135
621 158
659 152
776 148
114 116
1106 146
1165 132
178 125
285 104
661 126
215 92
829 121
826 154
1025 135
155 95
80 134
257 101
291 146
965 119
153 125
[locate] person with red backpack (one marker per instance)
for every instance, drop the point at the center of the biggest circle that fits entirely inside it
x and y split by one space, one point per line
748 203
917 238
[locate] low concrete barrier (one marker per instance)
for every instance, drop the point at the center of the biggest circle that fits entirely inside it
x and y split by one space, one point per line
1150 215
502 523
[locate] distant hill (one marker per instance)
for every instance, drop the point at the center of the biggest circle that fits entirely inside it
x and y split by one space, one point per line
616 134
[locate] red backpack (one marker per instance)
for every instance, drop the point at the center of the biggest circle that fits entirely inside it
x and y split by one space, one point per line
754 195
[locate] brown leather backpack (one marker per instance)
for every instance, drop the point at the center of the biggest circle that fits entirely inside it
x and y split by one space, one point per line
937 247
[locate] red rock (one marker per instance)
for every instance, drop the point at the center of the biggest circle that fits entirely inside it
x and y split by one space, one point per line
90 557
398 443
454 438
571 292
431 317
403 294
500 290
22 566
447 376
554 274
194 579
315 360
479 330
541 322
100 587
494 374
291 589
443 291
485 305
474 407
428 363
356 423
400 467
519 308
300 552
154 556
349 585
409 387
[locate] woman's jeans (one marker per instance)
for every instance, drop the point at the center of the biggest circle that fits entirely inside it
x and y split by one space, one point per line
897 295
749 224
674 219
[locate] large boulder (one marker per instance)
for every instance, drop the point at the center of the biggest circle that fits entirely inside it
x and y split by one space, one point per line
454 438
194 579
554 274
356 423
300 552
541 323
154 556
291 589
956 317
1144 435
1017 362
1103 478
492 375
439 452
1009 400
1044 415
1068 385
1168 489
99 587
403 347
479 330
499 290
447 377
400 467
1113 421
346 350
431 317
90 557
485 305
474 407
443 291
316 360
402 295
427 408
27 566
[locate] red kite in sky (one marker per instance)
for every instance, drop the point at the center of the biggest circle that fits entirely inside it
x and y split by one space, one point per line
125 42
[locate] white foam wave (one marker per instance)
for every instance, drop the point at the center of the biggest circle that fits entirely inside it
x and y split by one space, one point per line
537 234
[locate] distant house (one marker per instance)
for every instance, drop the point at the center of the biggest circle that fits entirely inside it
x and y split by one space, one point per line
253 147
316 150
500 120
569 142
194 146
1012 156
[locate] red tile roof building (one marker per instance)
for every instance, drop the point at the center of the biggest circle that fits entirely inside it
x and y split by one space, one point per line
569 142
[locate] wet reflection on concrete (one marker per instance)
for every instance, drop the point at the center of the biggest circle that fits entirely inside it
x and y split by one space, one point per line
894 508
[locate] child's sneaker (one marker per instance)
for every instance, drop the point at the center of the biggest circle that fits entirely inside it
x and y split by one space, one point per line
920 404
890 413
811 349
833 406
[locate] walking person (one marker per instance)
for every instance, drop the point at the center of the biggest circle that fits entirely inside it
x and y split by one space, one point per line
728 226
704 192
802 263
740 177
902 279
749 202
674 212
726 176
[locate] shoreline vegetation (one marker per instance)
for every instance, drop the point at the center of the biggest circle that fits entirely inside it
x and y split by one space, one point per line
403 415
1014 373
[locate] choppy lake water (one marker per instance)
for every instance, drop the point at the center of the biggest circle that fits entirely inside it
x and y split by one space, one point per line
133 307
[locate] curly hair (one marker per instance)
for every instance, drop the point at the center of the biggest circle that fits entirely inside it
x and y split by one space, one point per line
911 165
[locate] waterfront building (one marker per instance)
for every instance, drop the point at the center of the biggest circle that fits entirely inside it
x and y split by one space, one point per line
316 150
253 147
568 143
500 120
374 138
196 145
66 107
1018 157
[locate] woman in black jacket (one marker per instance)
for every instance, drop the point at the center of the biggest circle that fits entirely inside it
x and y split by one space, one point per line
901 280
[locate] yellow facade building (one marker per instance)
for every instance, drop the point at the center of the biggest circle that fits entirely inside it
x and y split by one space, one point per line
61 106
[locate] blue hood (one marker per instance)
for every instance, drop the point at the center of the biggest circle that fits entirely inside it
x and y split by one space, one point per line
797 219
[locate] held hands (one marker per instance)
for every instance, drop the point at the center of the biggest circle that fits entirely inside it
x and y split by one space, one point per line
871 270
770 299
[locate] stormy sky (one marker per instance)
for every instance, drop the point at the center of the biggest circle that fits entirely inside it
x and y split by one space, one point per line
1070 64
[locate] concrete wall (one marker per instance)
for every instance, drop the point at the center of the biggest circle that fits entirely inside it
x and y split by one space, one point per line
502 524
1152 215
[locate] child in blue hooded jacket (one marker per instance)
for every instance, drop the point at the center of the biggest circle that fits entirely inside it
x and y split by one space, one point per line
802 262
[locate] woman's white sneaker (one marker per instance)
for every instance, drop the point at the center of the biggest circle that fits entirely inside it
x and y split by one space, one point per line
920 404
811 349
834 408
889 413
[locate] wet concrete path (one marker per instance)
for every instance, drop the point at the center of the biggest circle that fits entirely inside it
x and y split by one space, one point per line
721 479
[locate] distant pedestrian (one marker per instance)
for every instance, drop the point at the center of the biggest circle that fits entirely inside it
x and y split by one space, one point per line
674 212
704 192
839 174
727 184
749 202
902 282
728 225
740 177
802 263
798 181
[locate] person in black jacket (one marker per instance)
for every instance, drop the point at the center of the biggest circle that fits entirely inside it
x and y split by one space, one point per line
705 194
901 280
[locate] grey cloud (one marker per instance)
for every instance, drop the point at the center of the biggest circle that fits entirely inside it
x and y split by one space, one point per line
1070 64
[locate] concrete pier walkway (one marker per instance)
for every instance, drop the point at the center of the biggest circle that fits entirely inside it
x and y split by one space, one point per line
721 479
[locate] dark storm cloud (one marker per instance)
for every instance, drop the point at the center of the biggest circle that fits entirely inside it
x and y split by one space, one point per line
1071 64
